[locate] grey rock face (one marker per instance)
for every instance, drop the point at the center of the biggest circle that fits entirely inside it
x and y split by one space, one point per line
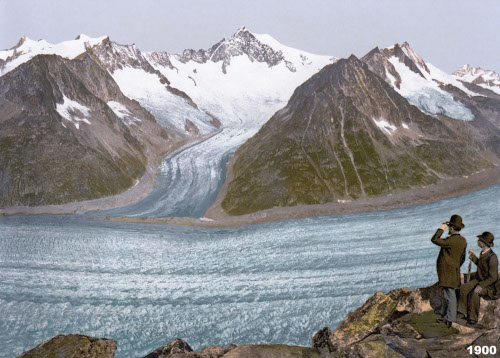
242 42
62 142
73 346
113 56
406 55
160 57
379 64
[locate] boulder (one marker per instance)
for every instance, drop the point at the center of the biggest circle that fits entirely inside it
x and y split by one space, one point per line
272 351
73 346
176 347
321 341
215 351
180 349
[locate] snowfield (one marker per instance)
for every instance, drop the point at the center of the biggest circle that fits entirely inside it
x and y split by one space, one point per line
73 112
426 94
30 48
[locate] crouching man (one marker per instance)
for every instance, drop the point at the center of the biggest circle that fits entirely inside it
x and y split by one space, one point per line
483 283
451 257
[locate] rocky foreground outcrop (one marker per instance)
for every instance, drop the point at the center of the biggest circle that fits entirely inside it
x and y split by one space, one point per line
401 323
73 346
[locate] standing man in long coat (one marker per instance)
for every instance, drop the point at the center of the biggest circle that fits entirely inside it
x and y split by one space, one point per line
451 257
483 283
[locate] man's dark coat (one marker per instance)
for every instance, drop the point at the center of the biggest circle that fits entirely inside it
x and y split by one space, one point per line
451 257
486 277
487 273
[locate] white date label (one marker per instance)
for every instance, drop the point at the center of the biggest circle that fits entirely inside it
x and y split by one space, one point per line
486 350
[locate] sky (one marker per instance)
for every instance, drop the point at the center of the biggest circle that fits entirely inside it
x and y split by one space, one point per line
446 33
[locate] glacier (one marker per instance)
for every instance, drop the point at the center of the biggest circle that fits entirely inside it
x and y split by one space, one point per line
279 282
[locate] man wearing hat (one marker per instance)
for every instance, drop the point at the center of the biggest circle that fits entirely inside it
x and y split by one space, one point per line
483 283
451 257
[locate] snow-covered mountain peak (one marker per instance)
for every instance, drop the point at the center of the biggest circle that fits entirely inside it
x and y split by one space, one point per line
421 83
419 61
27 48
114 56
242 42
85 38
469 73
406 55
478 76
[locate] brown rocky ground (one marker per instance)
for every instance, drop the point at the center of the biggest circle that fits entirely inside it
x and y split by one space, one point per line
73 346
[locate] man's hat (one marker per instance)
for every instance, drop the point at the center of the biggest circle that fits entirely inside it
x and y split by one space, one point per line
487 238
456 221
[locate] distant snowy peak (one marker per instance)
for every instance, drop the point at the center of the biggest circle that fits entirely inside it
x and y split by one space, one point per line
421 83
26 49
476 75
114 56
161 58
470 74
243 42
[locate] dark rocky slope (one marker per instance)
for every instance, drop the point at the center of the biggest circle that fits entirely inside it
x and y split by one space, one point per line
346 134
61 141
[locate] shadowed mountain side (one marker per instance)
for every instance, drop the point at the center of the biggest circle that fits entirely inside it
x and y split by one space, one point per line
67 133
346 134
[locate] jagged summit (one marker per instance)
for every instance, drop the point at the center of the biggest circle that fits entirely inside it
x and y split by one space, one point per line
242 42
469 73
479 76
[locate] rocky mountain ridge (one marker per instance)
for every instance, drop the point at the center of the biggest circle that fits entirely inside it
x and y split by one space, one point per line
68 133
347 133
170 105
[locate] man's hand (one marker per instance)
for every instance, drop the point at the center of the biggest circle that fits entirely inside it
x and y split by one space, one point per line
443 227
471 252
478 289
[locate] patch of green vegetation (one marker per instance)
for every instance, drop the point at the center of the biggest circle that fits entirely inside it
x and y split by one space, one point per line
374 316
291 351
425 324
379 349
